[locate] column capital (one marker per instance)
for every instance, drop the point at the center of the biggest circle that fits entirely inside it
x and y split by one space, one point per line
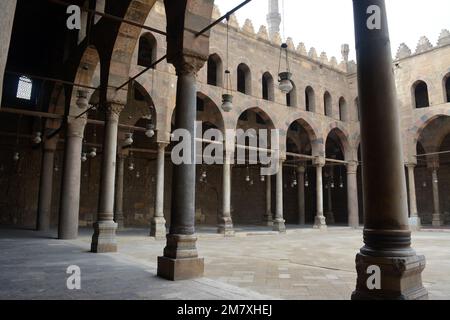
113 107
188 64
75 127
319 162
352 167
82 99
410 165
301 169
163 144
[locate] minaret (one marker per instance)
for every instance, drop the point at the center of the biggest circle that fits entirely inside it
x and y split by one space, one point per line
273 18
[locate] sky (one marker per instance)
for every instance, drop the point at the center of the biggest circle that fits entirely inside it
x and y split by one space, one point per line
326 24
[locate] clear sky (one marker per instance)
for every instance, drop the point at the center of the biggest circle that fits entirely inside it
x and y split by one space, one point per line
326 24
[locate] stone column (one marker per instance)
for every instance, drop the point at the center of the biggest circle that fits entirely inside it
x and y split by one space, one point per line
268 216
320 221
46 184
352 194
437 217
118 203
301 194
180 260
387 236
69 205
158 225
279 222
7 13
414 220
104 237
329 215
225 221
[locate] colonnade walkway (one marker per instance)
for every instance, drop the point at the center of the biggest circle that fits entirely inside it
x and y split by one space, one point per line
255 264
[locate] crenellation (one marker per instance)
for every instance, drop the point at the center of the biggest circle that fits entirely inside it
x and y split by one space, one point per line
301 49
248 27
403 51
262 33
444 38
313 53
423 45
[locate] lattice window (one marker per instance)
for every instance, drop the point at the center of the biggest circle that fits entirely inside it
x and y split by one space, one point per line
24 88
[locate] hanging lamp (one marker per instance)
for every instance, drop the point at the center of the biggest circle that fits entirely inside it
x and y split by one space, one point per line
227 97
306 179
150 132
284 75
128 139
84 157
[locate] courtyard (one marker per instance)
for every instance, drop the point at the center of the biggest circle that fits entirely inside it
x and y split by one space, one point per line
303 264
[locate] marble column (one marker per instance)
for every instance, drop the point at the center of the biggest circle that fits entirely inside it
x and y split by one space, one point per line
352 194
46 184
414 220
104 237
118 202
158 225
268 215
181 260
279 222
387 236
69 205
225 226
320 221
437 216
301 194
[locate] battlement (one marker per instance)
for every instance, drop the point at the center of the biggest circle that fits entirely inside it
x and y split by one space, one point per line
424 45
300 50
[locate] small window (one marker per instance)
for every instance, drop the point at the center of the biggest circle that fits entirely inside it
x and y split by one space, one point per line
447 87
328 103
200 105
24 88
421 95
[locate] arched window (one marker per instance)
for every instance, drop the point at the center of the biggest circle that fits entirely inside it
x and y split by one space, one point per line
291 97
267 87
215 71
447 87
420 90
310 99
328 104
357 109
24 88
147 50
342 109
244 79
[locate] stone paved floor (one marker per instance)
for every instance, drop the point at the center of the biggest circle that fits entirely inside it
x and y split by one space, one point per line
256 264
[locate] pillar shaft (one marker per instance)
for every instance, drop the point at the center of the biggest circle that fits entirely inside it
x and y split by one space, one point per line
279 223
71 178
387 236
225 221
104 237
268 216
46 185
180 260
301 195
352 195
320 221
118 203
414 220
158 226
437 219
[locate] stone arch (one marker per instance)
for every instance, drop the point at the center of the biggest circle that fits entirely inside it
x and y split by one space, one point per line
210 111
147 51
417 129
310 99
420 94
310 132
140 105
126 41
433 133
244 79
342 139
215 70
261 113
268 87
328 104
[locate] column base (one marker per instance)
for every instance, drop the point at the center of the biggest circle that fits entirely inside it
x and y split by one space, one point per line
320 223
415 224
400 278
329 217
158 228
180 260
180 269
437 222
267 220
104 238
279 225
120 223
225 227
